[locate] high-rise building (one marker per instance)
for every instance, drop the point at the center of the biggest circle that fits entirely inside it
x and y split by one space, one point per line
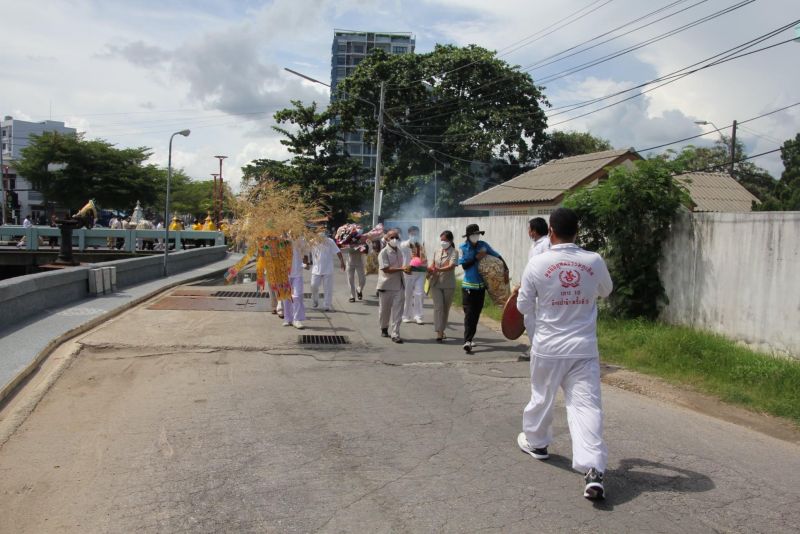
348 50
15 135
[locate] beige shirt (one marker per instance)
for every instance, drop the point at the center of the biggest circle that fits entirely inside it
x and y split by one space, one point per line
389 257
442 257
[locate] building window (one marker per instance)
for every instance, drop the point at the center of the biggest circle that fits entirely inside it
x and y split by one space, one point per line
340 60
341 47
399 49
340 72
358 48
357 60
545 211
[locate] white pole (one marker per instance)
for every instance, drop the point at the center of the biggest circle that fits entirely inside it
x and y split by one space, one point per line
376 200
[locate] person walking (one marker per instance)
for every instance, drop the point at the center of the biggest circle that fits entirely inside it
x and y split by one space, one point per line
322 271
537 231
26 223
414 280
294 309
567 282
442 282
473 289
391 294
356 268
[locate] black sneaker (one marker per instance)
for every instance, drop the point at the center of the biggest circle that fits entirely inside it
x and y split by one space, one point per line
468 347
384 332
594 485
397 340
360 296
351 299
539 454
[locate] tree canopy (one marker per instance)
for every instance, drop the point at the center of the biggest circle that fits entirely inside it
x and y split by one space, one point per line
559 145
787 191
462 106
318 167
69 169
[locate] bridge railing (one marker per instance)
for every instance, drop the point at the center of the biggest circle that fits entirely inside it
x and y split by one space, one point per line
84 238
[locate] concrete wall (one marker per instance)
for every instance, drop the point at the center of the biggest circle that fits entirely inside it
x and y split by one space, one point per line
508 235
26 296
737 274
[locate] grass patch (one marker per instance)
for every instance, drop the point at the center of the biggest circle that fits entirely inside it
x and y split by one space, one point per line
708 362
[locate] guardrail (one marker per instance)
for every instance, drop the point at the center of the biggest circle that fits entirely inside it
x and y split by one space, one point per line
84 238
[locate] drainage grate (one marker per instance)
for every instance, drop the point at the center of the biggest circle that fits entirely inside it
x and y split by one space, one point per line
322 340
241 294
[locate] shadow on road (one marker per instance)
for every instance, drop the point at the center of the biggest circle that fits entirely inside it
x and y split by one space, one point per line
635 476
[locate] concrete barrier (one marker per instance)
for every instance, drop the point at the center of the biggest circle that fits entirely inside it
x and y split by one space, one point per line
26 296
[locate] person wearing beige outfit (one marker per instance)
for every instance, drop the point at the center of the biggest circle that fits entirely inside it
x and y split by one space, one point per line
442 282
391 291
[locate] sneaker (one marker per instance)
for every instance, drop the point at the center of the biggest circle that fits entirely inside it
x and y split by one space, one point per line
406 320
594 485
315 304
467 347
287 323
472 344
539 454
360 296
418 320
298 325
397 339
328 309
384 332
351 299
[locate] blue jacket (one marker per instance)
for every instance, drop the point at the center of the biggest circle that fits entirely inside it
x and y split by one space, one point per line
472 278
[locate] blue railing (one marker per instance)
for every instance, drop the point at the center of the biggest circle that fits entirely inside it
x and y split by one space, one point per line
84 239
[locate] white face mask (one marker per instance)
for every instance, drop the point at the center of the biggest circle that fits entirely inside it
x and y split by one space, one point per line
445 244
474 238
412 238
393 242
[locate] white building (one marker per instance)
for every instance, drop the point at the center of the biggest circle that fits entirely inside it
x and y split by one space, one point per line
15 135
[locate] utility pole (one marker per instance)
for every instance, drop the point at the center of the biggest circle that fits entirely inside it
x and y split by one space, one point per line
733 146
3 179
220 194
376 203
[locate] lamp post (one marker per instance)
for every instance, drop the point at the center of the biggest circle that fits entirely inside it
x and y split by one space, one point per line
733 140
184 133
376 194
218 209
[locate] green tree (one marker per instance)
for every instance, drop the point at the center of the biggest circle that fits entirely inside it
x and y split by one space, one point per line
318 165
787 190
459 105
717 159
69 169
559 145
627 218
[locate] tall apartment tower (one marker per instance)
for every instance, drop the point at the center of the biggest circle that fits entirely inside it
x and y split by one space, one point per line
349 48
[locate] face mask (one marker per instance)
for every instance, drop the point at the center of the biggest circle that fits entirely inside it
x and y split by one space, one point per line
412 238
393 242
474 238
445 244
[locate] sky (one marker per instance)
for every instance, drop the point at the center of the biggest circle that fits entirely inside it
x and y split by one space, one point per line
135 72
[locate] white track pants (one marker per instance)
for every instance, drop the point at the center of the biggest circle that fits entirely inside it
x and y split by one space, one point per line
414 293
326 281
355 268
295 309
580 380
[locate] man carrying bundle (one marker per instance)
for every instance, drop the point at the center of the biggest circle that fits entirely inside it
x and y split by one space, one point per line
567 281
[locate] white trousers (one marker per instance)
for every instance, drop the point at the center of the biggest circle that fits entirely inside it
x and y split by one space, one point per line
295 309
326 280
390 312
580 380
355 267
414 293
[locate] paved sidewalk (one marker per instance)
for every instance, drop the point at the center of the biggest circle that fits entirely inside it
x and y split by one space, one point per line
22 343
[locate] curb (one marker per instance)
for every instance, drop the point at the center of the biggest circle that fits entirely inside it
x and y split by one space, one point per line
10 387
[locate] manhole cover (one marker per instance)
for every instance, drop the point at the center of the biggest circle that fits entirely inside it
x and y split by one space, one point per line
307 339
241 294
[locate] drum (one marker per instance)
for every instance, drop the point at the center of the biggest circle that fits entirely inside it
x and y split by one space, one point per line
512 322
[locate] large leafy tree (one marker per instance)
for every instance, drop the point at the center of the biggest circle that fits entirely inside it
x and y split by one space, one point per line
318 165
787 190
457 105
69 169
560 144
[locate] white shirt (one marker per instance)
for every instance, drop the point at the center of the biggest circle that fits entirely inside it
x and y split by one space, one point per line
567 282
298 250
540 245
27 223
322 255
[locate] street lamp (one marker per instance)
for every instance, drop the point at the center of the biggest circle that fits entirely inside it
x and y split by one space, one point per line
219 209
184 133
733 140
376 194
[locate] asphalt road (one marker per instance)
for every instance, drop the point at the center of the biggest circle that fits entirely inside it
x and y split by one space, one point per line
202 421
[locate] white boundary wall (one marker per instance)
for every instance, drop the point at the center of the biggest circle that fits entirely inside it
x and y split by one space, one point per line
737 274
507 234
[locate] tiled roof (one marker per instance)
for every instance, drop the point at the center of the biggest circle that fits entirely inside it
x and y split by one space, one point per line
549 181
717 191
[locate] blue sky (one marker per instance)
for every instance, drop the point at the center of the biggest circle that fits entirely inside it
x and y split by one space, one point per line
133 73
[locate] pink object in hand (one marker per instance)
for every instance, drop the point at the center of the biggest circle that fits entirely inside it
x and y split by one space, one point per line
417 262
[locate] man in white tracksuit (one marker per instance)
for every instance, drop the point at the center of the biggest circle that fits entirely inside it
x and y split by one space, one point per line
567 281
540 243
322 272
294 309
414 280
